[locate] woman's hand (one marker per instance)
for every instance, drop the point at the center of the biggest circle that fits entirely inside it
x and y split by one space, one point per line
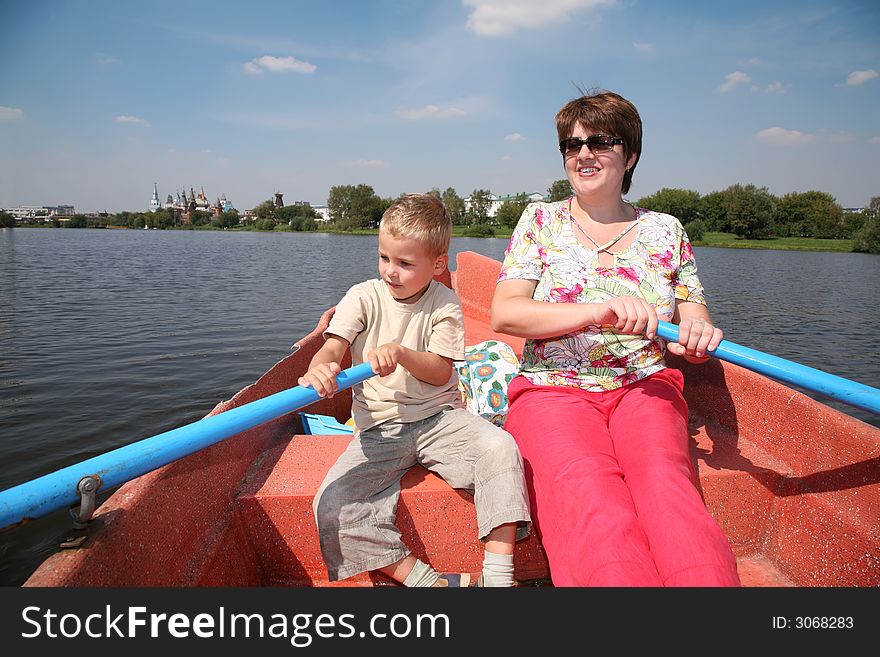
695 337
630 315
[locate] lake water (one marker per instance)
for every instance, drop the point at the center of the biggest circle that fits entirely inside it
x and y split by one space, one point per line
112 336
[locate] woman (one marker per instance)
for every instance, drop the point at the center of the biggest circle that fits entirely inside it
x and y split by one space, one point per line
600 420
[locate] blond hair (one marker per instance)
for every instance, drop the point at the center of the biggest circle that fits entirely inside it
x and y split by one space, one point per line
420 217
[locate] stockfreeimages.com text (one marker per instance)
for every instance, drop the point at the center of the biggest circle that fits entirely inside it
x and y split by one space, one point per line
299 629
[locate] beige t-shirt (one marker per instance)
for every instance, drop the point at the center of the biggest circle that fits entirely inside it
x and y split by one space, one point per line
368 317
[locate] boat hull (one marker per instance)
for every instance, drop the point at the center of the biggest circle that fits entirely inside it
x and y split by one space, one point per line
794 484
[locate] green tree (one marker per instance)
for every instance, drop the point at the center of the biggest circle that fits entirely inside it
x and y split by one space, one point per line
479 230
695 230
354 207
78 221
162 219
749 210
559 190
6 220
294 214
713 212
809 214
510 211
226 219
454 205
853 222
684 204
265 210
199 218
435 192
867 240
478 212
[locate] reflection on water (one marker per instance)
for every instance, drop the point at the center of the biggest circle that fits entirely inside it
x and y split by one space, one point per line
111 336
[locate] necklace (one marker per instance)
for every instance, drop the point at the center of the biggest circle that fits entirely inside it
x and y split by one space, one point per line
607 245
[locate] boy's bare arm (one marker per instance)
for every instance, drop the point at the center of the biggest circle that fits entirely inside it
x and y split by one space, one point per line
424 365
325 366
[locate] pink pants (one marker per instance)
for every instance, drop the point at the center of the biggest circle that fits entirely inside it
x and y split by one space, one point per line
612 485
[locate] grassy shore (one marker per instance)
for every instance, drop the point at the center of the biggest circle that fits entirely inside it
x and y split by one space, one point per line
731 241
719 240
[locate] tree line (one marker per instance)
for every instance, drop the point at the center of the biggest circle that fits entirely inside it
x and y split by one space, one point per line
746 211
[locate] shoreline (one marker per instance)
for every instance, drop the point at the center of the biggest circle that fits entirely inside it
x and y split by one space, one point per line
710 239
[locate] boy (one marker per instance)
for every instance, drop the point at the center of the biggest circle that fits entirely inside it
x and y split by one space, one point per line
410 328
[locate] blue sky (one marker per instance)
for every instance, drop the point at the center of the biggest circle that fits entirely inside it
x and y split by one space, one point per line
99 100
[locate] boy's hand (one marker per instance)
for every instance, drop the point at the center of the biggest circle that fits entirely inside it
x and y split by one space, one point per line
322 378
384 359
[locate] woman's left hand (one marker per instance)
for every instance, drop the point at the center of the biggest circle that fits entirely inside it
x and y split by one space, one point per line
695 338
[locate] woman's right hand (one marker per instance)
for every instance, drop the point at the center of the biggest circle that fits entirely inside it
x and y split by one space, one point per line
631 315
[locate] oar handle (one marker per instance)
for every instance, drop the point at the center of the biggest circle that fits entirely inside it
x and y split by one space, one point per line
836 387
56 490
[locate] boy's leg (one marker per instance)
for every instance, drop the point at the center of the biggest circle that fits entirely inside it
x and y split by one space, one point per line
356 505
653 446
580 502
470 452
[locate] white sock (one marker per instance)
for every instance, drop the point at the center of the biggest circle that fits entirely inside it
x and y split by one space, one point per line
497 569
422 575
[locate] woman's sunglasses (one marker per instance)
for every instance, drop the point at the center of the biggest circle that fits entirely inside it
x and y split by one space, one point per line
596 144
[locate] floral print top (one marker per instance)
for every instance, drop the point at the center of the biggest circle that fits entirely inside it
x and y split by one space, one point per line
659 267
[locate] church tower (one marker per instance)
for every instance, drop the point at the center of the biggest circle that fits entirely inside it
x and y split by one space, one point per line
154 202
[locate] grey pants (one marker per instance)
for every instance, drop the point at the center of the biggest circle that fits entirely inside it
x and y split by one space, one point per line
356 505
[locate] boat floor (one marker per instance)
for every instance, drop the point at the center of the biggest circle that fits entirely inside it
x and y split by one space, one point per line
275 532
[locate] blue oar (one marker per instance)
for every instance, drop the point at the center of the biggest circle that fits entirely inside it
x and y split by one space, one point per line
56 490
835 387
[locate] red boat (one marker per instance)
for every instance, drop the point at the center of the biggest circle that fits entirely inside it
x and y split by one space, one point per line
794 484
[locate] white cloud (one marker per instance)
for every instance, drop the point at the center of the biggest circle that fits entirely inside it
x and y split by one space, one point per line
842 137
10 113
860 77
778 88
514 136
430 112
733 79
260 65
132 119
367 164
104 58
783 137
506 17
874 140
644 48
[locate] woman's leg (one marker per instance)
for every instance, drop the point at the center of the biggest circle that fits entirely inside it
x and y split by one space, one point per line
580 504
652 443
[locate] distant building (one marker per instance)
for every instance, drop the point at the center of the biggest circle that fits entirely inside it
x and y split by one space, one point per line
184 205
37 213
322 212
154 202
495 202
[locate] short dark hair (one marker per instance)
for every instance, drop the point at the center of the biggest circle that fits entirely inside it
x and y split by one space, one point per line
606 112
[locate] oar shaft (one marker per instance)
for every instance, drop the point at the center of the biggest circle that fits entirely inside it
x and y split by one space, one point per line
58 489
836 387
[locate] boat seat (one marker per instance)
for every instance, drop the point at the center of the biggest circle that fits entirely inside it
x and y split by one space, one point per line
438 522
